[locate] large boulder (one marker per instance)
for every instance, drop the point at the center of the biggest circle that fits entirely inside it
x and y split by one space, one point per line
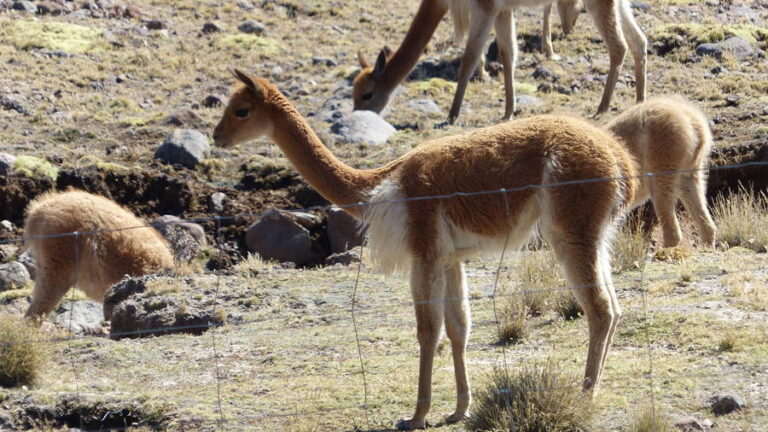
6 163
13 275
186 147
80 317
736 45
343 230
362 127
282 237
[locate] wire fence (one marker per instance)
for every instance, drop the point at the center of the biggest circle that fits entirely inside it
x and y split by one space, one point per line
357 312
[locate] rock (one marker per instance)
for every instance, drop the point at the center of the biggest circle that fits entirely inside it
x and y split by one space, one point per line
732 100
13 275
137 313
185 147
24 6
7 226
724 404
342 229
307 220
278 236
6 163
211 27
667 44
435 68
217 202
185 117
184 238
543 73
325 61
154 24
335 106
252 27
425 106
245 5
8 252
735 45
343 258
12 103
51 8
362 127
213 101
528 100
28 261
81 317
688 424
719 69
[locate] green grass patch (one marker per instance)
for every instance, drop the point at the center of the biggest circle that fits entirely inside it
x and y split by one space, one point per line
72 38
262 45
33 167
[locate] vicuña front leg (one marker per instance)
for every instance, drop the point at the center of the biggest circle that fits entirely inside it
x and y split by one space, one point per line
457 327
478 33
428 289
50 287
505 35
604 15
546 33
664 198
638 45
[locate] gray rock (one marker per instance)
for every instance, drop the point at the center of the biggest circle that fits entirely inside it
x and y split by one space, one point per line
335 106
81 317
732 100
736 45
217 202
13 275
13 103
342 229
25 6
184 238
425 106
7 226
252 27
185 117
51 8
688 424
211 27
6 163
8 252
155 24
362 127
213 101
325 61
245 5
278 236
724 404
307 220
544 73
528 100
185 147
28 261
343 258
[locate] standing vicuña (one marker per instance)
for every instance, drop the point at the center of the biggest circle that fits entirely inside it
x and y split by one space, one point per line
92 261
432 237
669 134
613 19
374 84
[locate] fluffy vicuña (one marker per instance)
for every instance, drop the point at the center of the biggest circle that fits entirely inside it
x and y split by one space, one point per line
431 237
669 134
112 243
375 83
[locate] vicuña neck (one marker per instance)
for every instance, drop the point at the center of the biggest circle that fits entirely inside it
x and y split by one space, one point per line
419 33
334 180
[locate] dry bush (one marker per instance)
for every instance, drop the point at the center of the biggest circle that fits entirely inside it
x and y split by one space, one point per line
742 219
537 398
251 266
629 248
566 306
22 352
513 327
650 420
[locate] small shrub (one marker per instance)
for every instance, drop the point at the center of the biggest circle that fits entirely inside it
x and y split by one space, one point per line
512 322
727 342
538 398
566 306
20 358
650 420
742 220
629 249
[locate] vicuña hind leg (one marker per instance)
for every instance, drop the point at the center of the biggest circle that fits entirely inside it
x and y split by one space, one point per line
428 290
664 198
479 29
505 36
638 45
51 284
457 327
605 16
692 187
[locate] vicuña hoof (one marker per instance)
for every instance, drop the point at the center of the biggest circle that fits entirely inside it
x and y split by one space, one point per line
456 417
411 424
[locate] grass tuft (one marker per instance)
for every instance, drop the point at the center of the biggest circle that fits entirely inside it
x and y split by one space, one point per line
71 38
20 361
540 280
629 249
513 327
727 342
650 420
537 398
742 220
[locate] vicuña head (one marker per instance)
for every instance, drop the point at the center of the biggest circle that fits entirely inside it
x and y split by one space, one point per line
371 91
247 116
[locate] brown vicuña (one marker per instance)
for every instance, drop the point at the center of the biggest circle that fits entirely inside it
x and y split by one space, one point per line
374 84
431 237
613 19
668 134
91 261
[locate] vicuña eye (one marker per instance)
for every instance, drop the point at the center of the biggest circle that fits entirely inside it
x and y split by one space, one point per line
368 96
242 113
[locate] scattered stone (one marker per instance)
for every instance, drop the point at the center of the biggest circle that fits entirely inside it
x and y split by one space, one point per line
719 69
335 106
688 424
343 230
6 163
24 6
185 117
185 238
425 106
12 103
343 258
735 45
112 39
252 27
642 6
543 73
325 61
8 252
185 147
13 275
217 202
51 8
135 312
81 317
7 225
436 68
732 100
154 24
213 101
278 236
528 100
724 404
307 220
362 127
245 5
28 261
211 27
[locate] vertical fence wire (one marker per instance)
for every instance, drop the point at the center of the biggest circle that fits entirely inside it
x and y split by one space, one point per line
70 332
647 322
212 325
357 336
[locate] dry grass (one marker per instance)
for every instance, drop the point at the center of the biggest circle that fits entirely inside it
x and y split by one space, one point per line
650 420
513 327
742 220
20 360
629 249
537 398
727 342
541 280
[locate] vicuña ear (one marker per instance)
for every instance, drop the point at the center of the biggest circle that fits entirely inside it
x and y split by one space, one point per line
381 61
363 61
247 80
388 50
